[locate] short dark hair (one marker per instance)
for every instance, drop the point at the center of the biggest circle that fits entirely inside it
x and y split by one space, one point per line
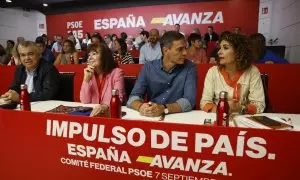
124 35
11 41
107 60
145 33
98 36
108 36
89 35
177 24
211 27
193 37
241 46
40 40
168 38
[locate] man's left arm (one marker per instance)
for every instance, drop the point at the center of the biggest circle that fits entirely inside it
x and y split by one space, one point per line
50 86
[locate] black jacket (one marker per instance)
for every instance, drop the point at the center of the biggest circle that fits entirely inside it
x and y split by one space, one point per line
46 81
215 37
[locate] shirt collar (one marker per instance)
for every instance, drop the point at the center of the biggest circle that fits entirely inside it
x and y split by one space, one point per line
160 65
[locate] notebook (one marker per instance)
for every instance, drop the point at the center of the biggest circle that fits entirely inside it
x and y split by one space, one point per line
262 122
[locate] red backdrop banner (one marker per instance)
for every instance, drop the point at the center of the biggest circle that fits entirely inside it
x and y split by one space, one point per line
46 146
223 15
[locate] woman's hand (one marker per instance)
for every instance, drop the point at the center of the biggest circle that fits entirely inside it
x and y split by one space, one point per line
100 110
88 73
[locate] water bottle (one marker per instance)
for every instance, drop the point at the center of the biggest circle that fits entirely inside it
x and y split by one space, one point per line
12 61
24 99
71 59
223 110
115 105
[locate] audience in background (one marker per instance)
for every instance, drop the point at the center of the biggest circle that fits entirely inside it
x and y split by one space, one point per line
46 53
109 42
42 78
237 30
129 42
4 58
87 40
260 54
195 52
170 83
121 55
236 75
114 37
211 35
57 46
152 50
144 35
9 47
101 76
196 31
67 53
177 29
138 39
75 41
124 36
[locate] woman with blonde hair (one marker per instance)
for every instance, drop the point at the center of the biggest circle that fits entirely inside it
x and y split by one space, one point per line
68 52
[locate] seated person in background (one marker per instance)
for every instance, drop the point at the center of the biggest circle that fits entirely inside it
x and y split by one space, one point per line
75 41
235 75
195 52
96 39
42 78
170 83
144 35
114 37
46 53
151 51
121 56
9 47
101 76
4 58
65 56
129 42
57 46
109 42
260 54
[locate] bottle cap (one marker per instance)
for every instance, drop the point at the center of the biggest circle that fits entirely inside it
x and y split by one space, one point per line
223 94
23 86
115 92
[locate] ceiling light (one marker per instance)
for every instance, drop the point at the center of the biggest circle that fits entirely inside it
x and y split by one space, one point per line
45 5
8 1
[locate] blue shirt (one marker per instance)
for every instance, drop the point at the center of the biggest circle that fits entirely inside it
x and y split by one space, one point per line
149 53
48 56
177 86
270 56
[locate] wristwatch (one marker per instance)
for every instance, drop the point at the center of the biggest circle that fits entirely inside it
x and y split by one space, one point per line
166 110
243 110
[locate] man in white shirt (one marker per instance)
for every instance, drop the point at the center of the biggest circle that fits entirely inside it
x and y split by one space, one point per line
152 50
57 46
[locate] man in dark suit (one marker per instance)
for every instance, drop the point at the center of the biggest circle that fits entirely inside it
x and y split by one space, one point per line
42 78
211 35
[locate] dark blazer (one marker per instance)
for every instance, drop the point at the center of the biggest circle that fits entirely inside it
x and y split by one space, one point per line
46 81
215 37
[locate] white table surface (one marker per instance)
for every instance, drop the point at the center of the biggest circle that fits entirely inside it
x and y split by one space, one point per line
195 117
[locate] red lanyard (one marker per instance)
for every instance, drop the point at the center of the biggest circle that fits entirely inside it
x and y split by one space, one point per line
100 85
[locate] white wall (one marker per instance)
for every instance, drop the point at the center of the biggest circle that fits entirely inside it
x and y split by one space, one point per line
283 22
17 22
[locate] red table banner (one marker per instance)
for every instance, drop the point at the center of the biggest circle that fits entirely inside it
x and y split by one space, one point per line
51 146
